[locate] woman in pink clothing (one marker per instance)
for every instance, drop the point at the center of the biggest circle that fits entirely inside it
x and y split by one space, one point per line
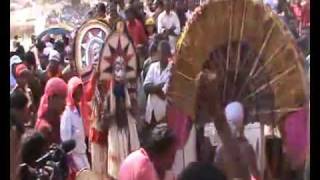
153 160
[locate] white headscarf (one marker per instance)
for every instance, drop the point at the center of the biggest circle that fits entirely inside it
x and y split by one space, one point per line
234 113
13 60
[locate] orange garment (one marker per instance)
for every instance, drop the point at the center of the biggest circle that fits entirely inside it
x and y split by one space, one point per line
94 134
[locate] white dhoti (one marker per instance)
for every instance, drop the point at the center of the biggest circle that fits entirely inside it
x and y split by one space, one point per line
118 145
99 158
186 155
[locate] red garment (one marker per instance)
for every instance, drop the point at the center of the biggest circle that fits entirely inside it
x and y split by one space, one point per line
95 135
54 86
180 124
89 89
20 69
50 128
305 14
297 11
137 32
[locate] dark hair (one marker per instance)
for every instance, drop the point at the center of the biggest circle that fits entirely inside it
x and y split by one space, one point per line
201 171
129 10
159 139
59 46
101 8
164 46
51 40
18 100
65 40
153 47
30 58
20 51
12 53
32 145
159 3
33 38
40 46
168 2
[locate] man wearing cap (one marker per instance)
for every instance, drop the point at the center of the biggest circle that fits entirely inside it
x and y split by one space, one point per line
53 68
150 25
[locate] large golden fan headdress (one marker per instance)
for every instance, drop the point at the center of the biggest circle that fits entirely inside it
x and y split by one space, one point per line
256 59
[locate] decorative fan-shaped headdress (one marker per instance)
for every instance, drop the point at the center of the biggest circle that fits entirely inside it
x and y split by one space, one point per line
252 53
89 41
118 54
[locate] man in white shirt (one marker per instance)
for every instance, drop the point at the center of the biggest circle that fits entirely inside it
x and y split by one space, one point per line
156 85
72 126
169 24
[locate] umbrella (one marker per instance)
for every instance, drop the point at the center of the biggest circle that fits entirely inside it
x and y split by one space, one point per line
55 31
252 54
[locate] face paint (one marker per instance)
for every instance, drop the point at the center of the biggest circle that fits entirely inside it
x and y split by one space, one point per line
119 69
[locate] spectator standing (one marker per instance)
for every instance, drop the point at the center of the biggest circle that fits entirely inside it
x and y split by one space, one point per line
51 106
156 84
169 24
72 125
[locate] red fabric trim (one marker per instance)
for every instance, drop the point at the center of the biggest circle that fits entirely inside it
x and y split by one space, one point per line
97 136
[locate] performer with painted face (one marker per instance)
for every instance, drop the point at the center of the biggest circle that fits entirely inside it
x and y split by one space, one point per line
118 66
122 135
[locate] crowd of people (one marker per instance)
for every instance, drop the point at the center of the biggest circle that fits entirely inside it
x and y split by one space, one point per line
50 103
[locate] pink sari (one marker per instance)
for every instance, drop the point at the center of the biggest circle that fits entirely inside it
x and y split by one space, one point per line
296 137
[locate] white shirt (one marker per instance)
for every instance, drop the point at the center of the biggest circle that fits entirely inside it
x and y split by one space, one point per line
272 3
188 14
166 21
13 60
155 103
71 127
